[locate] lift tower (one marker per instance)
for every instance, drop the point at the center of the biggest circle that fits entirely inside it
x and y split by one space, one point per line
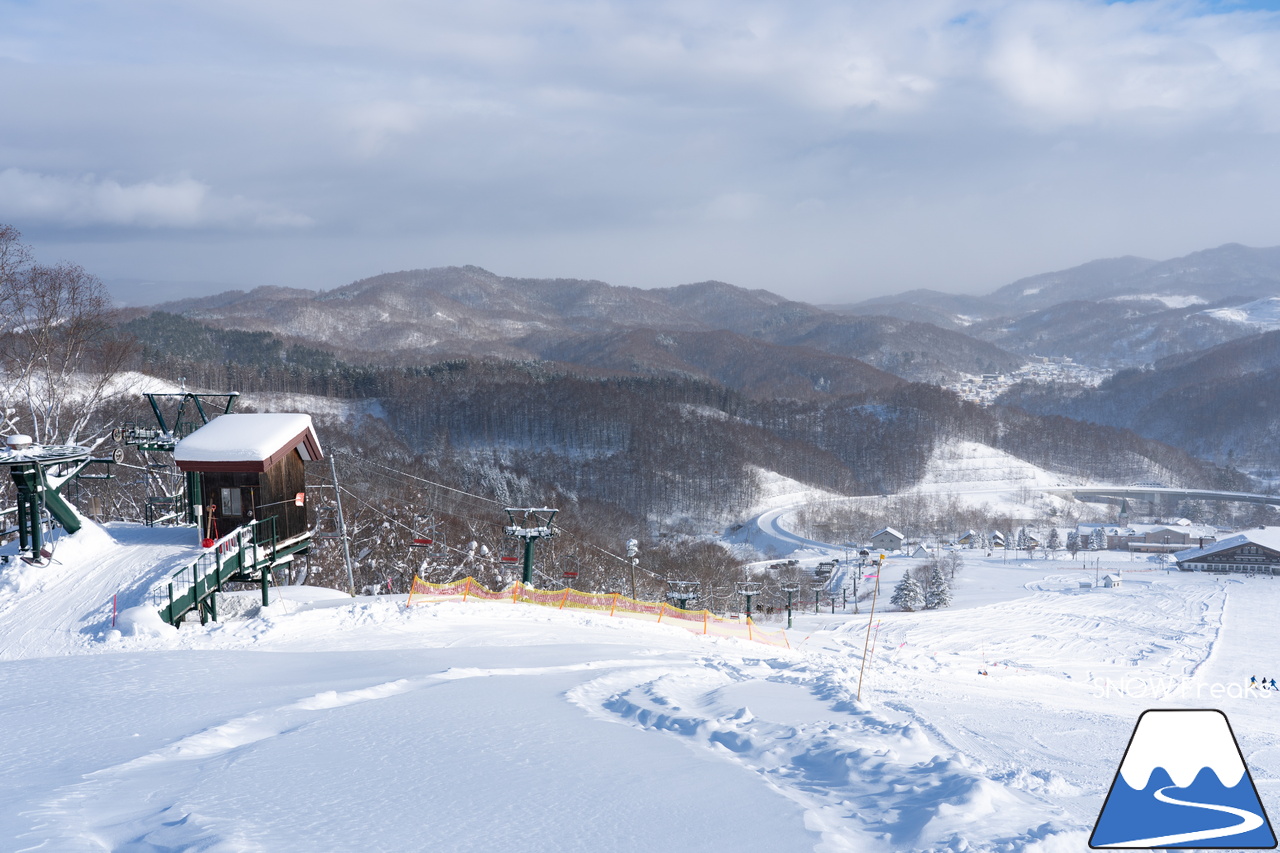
530 524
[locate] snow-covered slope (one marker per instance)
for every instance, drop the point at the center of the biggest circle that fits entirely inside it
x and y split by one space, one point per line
967 466
366 725
977 474
1264 314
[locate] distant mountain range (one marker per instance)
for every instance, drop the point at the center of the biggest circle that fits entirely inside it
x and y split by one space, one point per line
705 329
1120 312
1197 326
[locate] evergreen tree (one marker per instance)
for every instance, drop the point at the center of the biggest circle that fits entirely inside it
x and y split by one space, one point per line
937 591
1054 542
1073 543
907 595
1098 541
1022 539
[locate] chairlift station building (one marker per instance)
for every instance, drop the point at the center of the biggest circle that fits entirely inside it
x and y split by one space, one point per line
249 467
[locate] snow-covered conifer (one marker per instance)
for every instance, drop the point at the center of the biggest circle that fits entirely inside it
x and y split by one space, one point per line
907 595
937 591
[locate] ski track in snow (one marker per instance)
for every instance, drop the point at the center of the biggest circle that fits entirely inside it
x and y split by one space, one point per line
866 783
935 756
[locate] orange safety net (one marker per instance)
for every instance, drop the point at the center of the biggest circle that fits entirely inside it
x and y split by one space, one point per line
614 604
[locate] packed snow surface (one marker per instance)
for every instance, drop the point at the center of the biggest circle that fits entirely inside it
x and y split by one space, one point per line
330 723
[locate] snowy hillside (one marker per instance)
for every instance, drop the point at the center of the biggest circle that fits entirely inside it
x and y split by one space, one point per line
1263 314
978 474
365 725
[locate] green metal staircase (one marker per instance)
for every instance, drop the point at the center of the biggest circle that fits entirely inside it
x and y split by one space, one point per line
245 555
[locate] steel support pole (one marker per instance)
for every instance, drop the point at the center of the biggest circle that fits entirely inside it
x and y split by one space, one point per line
528 560
342 530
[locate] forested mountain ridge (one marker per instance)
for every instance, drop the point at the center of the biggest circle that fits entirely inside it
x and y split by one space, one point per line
420 314
662 445
1219 404
1116 312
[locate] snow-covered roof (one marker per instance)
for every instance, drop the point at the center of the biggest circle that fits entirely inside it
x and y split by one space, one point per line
888 530
248 443
1267 537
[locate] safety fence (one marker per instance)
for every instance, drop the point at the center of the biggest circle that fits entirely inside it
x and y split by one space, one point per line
611 604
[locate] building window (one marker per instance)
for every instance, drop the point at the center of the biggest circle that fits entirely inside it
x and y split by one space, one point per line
231 502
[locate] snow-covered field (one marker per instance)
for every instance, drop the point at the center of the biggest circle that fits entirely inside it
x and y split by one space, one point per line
340 724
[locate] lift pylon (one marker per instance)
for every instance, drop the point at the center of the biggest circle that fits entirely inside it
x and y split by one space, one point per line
530 524
39 472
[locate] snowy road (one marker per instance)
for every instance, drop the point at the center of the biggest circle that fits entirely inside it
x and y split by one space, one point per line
772 537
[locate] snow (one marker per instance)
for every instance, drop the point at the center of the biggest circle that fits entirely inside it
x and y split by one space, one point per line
325 722
1266 537
967 466
315 405
243 438
777 490
1263 313
1168 301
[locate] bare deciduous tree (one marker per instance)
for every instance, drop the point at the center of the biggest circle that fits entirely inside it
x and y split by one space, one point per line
59 353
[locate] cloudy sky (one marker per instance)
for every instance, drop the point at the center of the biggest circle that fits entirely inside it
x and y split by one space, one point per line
829 150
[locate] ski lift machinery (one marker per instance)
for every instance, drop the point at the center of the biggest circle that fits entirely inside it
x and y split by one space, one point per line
39 472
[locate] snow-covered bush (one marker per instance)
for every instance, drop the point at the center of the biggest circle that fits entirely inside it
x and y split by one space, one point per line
907 595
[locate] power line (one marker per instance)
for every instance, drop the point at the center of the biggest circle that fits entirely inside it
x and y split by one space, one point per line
406 475
362 461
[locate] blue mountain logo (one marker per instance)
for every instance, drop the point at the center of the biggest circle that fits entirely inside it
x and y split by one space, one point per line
1183 783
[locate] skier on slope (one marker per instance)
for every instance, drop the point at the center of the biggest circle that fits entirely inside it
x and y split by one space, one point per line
1273 684
1253 681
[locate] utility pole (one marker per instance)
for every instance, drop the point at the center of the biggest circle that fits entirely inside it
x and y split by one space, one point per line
530 524
342 528
874 595
633 556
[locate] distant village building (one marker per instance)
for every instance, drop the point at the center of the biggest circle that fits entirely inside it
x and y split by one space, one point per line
250 467
918 551
1255 551
887 539
1151 538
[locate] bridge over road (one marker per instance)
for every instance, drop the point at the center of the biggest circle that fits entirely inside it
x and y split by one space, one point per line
1153 493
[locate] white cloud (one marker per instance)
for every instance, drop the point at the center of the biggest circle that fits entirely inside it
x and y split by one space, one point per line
731 133
88 200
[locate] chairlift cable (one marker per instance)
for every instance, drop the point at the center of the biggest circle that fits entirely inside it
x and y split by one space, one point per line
396 521
362 461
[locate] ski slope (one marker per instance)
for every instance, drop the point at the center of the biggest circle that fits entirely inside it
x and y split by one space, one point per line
360 724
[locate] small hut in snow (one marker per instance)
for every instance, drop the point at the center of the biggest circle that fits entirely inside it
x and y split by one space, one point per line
887 539
250 467
1111 581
